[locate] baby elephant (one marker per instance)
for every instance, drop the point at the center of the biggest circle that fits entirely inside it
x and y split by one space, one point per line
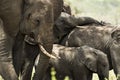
79 62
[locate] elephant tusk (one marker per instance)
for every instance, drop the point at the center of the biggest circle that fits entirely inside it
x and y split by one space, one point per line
46 53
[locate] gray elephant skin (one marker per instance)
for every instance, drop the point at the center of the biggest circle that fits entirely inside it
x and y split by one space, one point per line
37 23
10 16
104 38
92 35
6 68
65 24
21 17
79 62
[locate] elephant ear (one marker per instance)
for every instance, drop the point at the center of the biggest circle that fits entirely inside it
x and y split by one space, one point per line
91 63
89 59
116 36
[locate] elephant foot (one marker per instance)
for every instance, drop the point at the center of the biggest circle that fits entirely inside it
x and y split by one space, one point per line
118 77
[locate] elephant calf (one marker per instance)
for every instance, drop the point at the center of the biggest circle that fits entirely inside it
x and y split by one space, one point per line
79 62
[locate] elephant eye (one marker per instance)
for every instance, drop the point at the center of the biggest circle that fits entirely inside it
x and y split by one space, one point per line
37 22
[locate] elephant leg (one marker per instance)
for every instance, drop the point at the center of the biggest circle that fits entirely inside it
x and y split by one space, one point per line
41 67
7 71
81 72
6 68
31 52
48 74
101 77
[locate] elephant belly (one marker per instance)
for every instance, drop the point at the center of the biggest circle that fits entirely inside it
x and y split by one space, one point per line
96 37
10 13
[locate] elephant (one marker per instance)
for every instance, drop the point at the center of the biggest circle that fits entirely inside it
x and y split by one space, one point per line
79 62
28 63
36 29
69 35
6 68
10 16
66 23
104 38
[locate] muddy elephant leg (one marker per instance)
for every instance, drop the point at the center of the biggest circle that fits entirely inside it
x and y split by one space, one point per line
31 53
6 67
7 71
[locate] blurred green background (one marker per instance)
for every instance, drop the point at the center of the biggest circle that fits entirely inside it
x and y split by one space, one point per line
105 10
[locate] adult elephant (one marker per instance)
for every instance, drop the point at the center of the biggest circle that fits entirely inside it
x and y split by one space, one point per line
6 68
37 23
10 16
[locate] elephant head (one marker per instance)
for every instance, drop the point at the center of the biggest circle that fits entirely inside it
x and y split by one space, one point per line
66 23
115 50
63 25
38 19
96 61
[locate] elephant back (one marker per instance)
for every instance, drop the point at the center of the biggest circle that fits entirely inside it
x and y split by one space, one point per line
57 7
10 13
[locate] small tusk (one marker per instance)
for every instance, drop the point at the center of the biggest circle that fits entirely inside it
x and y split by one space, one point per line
56 55
46 53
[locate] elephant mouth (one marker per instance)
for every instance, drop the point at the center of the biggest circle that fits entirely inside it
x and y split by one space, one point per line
31 41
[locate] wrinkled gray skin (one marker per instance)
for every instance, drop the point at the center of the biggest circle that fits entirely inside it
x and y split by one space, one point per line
104 38
66 23
79 62
37 22
10 16
6 68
